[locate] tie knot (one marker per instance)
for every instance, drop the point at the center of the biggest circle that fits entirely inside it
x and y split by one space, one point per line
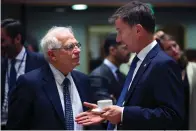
117 71
66 82
135 59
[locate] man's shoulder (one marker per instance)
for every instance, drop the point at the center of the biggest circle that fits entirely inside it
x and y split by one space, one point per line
100 70
162 58
33 75
35 56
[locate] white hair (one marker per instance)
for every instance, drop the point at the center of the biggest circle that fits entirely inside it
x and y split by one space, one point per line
49 41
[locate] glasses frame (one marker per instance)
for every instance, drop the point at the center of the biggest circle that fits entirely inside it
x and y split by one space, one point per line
67 48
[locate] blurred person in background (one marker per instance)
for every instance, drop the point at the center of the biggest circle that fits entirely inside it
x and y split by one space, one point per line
50 97
16 60
106 80
188 72
32 43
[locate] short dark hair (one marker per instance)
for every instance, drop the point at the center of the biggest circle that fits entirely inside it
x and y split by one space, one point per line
134 13
110 41
13 28
166 37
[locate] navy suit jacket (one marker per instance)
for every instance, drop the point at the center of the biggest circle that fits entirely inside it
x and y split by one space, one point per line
104 83
155 99
33 61
35 102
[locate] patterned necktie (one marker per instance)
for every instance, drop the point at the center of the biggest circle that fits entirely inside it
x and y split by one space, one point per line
125 87
12 79
69 122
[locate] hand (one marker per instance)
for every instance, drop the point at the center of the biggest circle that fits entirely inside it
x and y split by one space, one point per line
112 114
88 117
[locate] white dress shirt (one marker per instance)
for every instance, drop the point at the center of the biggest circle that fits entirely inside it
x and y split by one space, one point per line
74 95
112 67
20 69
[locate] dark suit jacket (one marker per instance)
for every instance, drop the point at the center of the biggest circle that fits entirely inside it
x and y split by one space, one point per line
104 83
156 97
35 102
33 61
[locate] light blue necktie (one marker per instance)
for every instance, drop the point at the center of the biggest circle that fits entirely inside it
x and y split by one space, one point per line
125 87
69 122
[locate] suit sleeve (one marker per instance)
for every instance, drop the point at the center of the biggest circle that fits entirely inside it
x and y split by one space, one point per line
20 106
168 95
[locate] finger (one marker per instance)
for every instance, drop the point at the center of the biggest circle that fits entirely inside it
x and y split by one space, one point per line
87 123
81 118
98 113
83 121
90 105
106 109
104 115
81 115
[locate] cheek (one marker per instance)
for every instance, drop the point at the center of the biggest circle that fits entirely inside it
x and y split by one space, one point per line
170 53
126 38
178 49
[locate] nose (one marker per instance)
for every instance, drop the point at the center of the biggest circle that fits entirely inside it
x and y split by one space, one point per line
174 50
118 38
76 50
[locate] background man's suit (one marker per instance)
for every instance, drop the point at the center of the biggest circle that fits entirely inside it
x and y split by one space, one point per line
104 83
155 98
33 61
40 101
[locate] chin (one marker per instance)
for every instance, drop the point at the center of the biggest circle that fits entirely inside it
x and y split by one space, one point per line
77 63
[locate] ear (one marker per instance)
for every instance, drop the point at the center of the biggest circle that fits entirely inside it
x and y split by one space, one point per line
18 38
139 29
112 50
51 55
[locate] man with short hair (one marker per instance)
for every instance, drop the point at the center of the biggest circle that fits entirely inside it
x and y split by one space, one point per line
50 97
15 60
153 95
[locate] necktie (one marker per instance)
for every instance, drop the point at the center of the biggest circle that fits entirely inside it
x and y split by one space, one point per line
12 79
125 87
69 123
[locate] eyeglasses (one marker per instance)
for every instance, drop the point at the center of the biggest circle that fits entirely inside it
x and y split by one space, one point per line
69 47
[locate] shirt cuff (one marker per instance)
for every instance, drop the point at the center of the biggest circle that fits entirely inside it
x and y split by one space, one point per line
122 109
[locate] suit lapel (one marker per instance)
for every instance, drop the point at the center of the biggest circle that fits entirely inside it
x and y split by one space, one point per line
141 70
50 88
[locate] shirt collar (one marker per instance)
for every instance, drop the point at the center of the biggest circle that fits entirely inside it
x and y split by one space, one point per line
142 54
110 65
59 77
21 54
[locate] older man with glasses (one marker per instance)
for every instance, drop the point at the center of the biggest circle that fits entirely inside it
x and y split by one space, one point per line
50 97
